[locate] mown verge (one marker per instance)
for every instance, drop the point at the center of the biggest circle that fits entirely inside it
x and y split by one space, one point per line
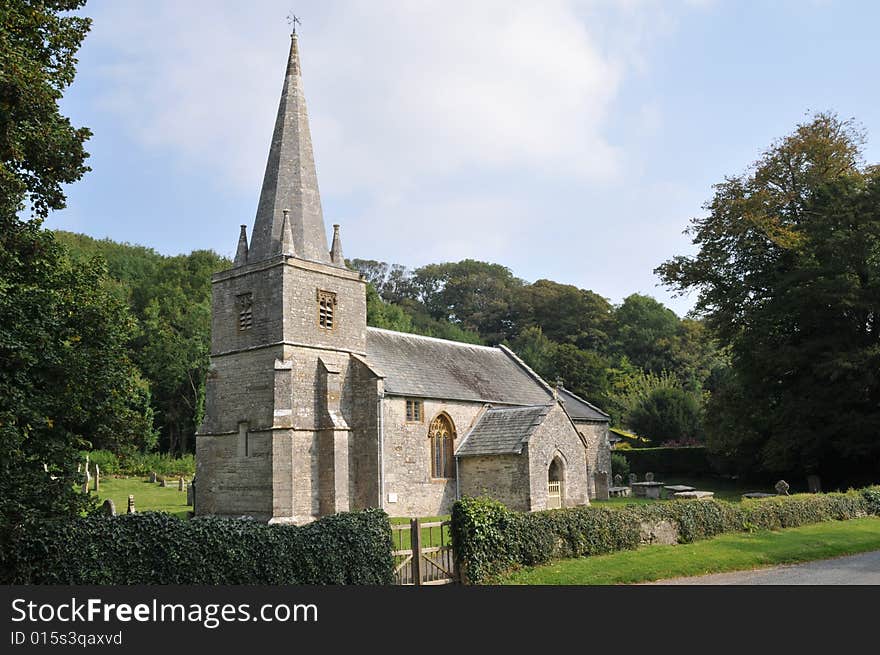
490 540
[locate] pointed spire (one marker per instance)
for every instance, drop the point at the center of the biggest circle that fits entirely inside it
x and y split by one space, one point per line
336 249
241 253
290 180
287 247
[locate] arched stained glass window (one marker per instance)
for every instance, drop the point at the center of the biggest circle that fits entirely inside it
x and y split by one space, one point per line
441 435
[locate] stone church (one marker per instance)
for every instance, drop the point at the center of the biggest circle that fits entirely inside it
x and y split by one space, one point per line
311 412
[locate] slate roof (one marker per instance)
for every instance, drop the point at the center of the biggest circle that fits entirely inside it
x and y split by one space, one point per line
503 431
579 409
425 367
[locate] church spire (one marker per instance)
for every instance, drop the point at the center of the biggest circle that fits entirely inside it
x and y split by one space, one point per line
290 180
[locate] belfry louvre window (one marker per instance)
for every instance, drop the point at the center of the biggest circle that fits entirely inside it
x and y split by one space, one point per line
245 311
413 410
326 307
441 436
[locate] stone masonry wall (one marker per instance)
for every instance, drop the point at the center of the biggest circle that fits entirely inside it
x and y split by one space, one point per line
364 445
302 281
407 457
263 282
557 435
502 477
598 456
230 482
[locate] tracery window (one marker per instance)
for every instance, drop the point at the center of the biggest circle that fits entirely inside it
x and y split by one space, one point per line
326 305
441 435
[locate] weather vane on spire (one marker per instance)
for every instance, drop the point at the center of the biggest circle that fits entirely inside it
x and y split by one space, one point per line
293 20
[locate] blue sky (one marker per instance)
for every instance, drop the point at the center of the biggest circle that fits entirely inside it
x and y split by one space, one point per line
570 140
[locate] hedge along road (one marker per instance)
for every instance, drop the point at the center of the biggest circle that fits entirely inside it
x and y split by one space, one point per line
727 552
863 569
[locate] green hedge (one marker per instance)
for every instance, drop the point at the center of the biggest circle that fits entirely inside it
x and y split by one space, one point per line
489 539
156 548
691 460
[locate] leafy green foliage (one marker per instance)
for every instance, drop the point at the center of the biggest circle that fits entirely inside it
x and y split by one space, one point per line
39 149
489 539
620 466
788 274
66 382
565 313
658 408
170 299
691 460
138 463
667 415
154 548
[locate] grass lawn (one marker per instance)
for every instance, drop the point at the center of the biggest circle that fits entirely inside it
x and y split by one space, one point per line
729 552
430 536
147 496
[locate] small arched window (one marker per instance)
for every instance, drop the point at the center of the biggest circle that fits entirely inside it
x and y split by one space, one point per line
441 435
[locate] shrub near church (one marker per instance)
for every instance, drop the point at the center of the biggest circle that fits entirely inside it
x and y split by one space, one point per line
155 548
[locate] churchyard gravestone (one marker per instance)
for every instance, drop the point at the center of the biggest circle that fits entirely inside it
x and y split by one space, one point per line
189 494
163 482
695 495
181 484
153 476
814 484
108 508
97 478
131 504
633 478
618 479
86 481
782 488
649 477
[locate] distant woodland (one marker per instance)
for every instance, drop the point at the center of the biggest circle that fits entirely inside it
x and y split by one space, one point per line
621 358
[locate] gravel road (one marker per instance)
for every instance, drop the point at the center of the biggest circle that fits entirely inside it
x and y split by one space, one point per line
863 569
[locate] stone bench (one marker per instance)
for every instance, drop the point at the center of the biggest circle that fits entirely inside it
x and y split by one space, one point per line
695 494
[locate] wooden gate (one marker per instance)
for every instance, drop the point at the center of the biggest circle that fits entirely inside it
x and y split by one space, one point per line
554 494
423 553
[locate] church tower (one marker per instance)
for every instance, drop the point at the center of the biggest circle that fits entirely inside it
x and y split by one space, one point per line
286 320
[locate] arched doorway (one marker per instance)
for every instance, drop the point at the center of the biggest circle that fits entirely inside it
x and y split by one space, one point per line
441 435
556 484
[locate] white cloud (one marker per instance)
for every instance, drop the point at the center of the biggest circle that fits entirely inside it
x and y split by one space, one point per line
424 113
406 91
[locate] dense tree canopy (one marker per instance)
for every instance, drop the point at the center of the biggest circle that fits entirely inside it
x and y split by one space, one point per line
39 149
561 331
66 380
170 301
788 274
